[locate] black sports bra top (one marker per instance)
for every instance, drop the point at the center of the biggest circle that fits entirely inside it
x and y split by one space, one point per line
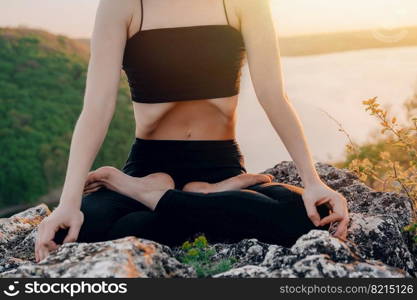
184 63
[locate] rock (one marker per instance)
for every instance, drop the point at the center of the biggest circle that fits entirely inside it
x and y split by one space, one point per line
379 237
315 254
246 252
361 198
126 257
14 230
376 245
376 218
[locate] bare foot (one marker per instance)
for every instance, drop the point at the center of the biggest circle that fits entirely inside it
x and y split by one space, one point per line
233 183
148 189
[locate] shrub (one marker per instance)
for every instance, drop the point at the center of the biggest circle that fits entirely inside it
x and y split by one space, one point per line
200 255
390 163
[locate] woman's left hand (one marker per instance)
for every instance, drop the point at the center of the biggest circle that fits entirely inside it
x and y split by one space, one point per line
319 193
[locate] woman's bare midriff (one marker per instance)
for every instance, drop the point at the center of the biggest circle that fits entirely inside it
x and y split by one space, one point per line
208 119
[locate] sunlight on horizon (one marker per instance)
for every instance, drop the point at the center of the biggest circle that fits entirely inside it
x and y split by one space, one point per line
293 17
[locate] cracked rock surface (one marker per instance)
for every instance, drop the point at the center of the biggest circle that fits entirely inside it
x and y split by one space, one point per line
376 245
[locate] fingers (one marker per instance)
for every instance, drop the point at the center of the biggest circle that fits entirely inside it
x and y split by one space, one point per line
44 241
269 177
92 187
272 177
322 201
90 191
52 245
262 178
340 207
334 217
89 179
341 231
339 214
43 253
72 234
92 177
312 212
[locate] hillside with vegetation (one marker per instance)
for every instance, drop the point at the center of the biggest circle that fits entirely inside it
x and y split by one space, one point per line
42 80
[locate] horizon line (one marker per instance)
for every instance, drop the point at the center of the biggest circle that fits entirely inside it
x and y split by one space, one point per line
23 26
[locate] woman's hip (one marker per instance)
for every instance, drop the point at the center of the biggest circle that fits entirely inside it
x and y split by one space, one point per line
186 160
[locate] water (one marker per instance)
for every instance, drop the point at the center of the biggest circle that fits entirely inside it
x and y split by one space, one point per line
336 83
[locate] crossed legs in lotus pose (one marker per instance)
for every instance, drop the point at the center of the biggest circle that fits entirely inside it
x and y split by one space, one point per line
243 206
149 189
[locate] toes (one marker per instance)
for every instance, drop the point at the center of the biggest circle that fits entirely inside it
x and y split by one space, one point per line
269 177
263 178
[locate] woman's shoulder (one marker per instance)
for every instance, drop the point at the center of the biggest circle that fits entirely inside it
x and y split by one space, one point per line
121 10
248 7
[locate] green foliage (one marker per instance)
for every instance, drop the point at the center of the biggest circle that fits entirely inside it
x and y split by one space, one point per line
199 255
390 162
41 93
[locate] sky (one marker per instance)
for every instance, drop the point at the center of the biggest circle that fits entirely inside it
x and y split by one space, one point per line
75 18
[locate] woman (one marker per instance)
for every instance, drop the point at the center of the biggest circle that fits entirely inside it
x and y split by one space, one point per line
185 173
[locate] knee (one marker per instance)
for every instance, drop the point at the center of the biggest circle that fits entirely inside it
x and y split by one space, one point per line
102 205
93 203
100 212
139 224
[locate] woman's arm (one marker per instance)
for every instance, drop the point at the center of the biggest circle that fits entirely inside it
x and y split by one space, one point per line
263 54
103 76
107 45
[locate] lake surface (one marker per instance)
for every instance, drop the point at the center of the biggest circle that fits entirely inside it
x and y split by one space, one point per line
336 83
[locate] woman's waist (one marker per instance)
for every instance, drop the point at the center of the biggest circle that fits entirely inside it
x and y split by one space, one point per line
186 120
186 131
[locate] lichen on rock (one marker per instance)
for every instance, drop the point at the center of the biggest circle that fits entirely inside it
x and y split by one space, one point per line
376 245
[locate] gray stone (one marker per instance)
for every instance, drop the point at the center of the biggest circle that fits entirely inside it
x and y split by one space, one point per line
376 245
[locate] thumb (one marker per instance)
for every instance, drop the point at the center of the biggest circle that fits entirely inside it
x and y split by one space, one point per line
72 234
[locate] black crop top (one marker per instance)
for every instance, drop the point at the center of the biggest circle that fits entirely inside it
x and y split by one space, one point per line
184 63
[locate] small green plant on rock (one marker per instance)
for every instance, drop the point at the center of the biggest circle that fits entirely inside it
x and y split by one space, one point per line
199 255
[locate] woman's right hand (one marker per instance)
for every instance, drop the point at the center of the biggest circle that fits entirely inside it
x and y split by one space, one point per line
60 218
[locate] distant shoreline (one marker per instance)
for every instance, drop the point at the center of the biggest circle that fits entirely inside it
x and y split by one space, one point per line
347 41
333 42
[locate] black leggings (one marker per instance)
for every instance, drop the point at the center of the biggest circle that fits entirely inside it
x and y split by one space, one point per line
269 212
